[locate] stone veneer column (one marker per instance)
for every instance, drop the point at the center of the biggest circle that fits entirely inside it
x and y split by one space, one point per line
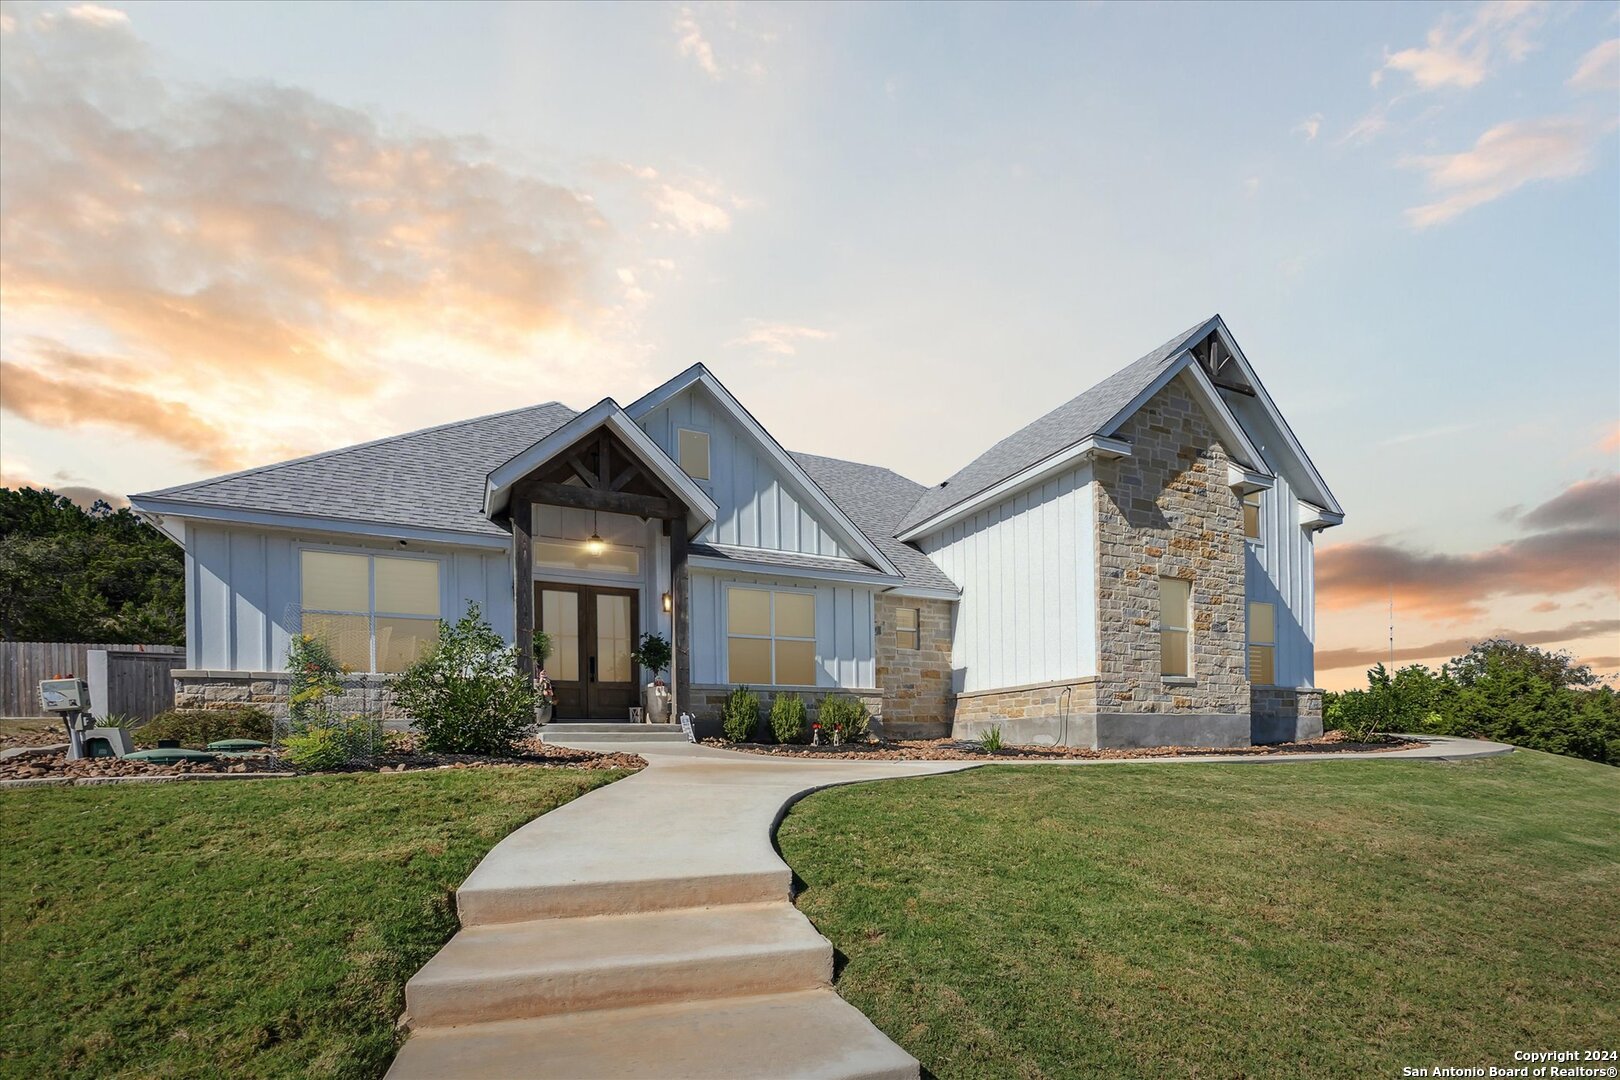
1167 510
916 683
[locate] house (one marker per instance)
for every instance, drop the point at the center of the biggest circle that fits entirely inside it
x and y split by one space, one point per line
1133 568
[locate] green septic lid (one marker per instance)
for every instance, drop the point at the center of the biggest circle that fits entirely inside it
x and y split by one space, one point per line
168 756
237 744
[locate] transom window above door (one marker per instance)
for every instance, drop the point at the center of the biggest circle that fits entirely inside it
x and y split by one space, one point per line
770 637
375 612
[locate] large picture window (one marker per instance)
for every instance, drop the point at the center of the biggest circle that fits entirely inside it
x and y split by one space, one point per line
375 612
1175 627
770 637
1262 644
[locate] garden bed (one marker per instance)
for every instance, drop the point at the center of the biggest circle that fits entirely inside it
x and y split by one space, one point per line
961 750
401 755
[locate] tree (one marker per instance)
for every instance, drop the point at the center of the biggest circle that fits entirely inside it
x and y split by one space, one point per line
70 574
1559 668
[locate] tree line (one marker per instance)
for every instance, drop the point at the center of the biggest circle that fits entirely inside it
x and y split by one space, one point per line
71 574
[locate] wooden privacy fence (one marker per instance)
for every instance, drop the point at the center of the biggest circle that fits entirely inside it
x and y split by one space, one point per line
24 663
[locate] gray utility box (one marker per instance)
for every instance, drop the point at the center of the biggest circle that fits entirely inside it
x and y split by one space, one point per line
106 742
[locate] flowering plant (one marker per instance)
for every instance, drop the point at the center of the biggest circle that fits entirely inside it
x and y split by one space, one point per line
543 688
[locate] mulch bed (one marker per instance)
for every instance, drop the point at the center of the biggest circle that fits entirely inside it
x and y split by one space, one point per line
400 755
959 750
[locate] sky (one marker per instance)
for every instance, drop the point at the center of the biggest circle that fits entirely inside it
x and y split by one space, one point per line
235 233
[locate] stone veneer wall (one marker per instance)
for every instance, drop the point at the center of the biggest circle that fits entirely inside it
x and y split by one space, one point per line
1167 510
1284 713
1042 713
704 702
916 683
198 689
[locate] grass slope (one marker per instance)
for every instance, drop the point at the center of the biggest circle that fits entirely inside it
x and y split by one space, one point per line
259 928
1336 919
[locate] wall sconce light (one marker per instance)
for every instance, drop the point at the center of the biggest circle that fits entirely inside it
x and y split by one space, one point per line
669 603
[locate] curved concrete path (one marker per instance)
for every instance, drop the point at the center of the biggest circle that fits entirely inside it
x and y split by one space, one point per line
647 930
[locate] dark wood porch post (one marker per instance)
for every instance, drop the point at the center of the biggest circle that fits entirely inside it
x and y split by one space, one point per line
681 620
522 511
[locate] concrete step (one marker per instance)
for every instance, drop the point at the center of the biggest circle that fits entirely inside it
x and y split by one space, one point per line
812 1035
552 966
498 904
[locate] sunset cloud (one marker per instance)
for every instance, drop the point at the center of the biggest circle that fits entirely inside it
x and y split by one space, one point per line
1599 70
1504 159
247 269
1333 659
779 339
1577 549
1461 52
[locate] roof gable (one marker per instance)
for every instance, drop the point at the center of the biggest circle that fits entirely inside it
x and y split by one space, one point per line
604 414
1095 415
765 497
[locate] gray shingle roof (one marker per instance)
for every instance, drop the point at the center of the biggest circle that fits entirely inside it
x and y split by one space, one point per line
875 499
787 560
1059 429
428 479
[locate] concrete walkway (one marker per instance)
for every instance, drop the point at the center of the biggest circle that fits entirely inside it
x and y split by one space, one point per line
647 930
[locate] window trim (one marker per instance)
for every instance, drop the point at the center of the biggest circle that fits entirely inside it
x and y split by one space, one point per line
708 454
772 637
1187 630
1258 503
371 556
1250 643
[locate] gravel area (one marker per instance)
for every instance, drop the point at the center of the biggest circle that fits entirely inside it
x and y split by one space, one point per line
47 766
957 750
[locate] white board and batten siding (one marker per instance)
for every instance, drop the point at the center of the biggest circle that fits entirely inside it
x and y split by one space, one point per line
1281 569
845 620
1027 570
243 589
759 505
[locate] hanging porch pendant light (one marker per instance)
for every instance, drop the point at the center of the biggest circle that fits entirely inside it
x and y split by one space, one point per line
595 546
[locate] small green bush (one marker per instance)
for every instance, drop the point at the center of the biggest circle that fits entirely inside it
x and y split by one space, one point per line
789 719
315 678
991 739
197 728
843 717
318 748
467 696
740 715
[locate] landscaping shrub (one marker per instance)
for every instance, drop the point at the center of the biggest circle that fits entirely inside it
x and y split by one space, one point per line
1500 690
739 716
199 727
991 739
317 749
314 678
789 718
467 696
843 717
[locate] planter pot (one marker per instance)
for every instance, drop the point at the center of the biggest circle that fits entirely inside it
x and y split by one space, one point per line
542 714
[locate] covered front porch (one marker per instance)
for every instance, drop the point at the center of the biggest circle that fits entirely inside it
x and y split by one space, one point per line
601 521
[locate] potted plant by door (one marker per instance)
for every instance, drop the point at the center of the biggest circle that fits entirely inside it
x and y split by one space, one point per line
654 654
545 695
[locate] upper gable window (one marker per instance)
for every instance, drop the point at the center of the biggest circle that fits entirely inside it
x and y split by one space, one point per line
693 451
1251 515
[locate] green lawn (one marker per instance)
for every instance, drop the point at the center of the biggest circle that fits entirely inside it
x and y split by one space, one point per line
261 928
1335 919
